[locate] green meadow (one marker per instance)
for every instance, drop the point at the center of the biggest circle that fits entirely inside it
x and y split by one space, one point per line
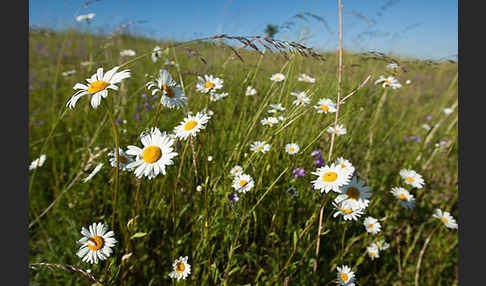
267 237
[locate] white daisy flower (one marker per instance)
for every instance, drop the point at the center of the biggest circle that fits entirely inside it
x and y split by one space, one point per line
292 148
325 105
345 165
280 118
372 225
260 146
405 199
236 170
408 81
330 178
448 111
98 86
172 94
127 53
68 73
191 125
125 159
306 78
392 66
95 170
243 183
269 121
340 130
213 96
389 81
412 178
345 276
208 83
355 190
425 126
156 154
277 77
38 162
373 251
446 218
87 17
298 93
250 91
301 100
382 244
156 54
182 269
276 108
349 209
96 243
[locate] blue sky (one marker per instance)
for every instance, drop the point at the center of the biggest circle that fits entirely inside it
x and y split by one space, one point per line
410 28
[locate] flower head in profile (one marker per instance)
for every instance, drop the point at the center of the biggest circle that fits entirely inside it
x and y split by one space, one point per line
276 108
301 99
86 17
388 82
191 125
330 178
236 170
405 199
448 111
181 269
260 146
339 130
382 244
125 159
171 92
68 73
349 209
250 91
373 251
99 84
208 83
94 172
242 183
292 148
412 178
445 218
127 53
325 105
306 78
372 225
269 121
278 77
345 276
156 54
96 243
38 162
156 154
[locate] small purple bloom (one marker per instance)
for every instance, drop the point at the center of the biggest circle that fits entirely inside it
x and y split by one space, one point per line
406 138
298 172
315 153
155 97
147 108
136 116
442 143
144 95
40 122
417 139
319 162
117 121
233 198
428 117
139 108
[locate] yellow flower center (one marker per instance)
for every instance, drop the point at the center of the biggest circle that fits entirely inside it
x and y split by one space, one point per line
387 82
336 130
151 154
98 243
410 179
370 225
347 211
329 177
292 149
443 219
402 197
243 183
209 84
301 100
180 267
372 254
352 193
277 78
344 277
190 125
168 91
343 165
98 85
324 107
269 123
260 147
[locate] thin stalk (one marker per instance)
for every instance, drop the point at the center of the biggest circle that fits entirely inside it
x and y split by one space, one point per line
117 155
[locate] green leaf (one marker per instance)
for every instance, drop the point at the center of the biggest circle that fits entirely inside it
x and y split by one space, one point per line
138 234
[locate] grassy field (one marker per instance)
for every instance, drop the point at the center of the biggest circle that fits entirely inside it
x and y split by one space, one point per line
267 236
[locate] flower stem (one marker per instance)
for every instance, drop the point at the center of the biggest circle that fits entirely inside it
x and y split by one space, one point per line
117 156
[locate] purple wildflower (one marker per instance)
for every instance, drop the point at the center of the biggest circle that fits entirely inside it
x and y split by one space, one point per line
428 117
406 138
144 95
319 161
298 172
442 143
315 153
136 116
233 197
